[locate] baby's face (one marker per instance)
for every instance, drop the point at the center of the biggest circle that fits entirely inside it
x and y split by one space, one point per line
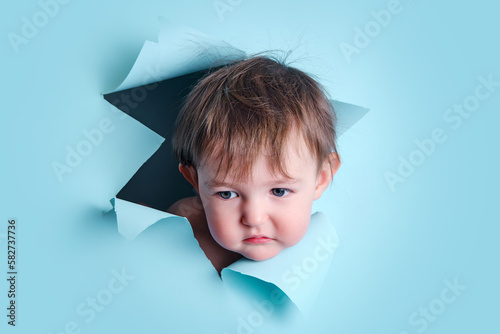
267 213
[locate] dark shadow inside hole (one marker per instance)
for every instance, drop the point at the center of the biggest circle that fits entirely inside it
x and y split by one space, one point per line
158 183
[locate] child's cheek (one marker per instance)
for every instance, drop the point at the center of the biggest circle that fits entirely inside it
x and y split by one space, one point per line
295 224
220 226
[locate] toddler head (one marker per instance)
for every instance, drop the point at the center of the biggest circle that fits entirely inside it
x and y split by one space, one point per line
256 139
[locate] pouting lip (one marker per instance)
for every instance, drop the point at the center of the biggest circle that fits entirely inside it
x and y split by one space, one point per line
257 236
257 239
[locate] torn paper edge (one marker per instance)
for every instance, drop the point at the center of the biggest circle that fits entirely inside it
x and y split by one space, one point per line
305 296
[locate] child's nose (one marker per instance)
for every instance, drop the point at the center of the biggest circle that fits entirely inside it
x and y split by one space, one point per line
254 213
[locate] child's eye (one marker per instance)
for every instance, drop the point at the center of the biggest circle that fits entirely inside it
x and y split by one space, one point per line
227 194
280 192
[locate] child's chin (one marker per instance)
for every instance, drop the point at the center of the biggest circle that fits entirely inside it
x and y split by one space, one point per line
261 256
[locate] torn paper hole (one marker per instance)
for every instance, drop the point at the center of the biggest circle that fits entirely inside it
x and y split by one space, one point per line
152 93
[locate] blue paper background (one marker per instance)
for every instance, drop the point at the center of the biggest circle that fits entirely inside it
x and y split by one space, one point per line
396 247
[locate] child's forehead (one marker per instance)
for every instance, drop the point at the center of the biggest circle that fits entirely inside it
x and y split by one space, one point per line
213 178
222 173
292 147
295 160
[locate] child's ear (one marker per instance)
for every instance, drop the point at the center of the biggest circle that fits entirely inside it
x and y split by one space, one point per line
326 173
190 174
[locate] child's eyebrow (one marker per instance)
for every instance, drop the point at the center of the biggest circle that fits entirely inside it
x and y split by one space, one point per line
285 181
218 183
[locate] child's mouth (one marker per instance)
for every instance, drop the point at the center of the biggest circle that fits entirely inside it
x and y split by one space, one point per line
258 240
